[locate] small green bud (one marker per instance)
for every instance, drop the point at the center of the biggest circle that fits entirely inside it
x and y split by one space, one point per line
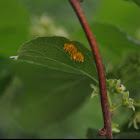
128 102
114 128
135 120
95 91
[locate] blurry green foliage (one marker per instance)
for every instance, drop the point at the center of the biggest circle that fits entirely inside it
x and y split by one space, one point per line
124 14
37 102
13 26
136 2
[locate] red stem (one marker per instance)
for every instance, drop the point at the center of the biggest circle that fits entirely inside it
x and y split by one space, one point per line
107 130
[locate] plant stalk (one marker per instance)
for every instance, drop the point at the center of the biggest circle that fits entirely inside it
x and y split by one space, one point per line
107 130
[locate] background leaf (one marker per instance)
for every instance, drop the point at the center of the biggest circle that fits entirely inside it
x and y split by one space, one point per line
136 2
77 124
5 76
114 44
13 26
128 136
33 105
126 18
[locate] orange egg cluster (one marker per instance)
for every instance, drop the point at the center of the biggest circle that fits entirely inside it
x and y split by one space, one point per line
73 52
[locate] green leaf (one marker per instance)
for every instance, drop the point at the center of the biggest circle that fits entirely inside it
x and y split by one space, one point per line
130 135
5 76
114 44
77 124
49 51
137 2
65 11
126 18
45 97
13 26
